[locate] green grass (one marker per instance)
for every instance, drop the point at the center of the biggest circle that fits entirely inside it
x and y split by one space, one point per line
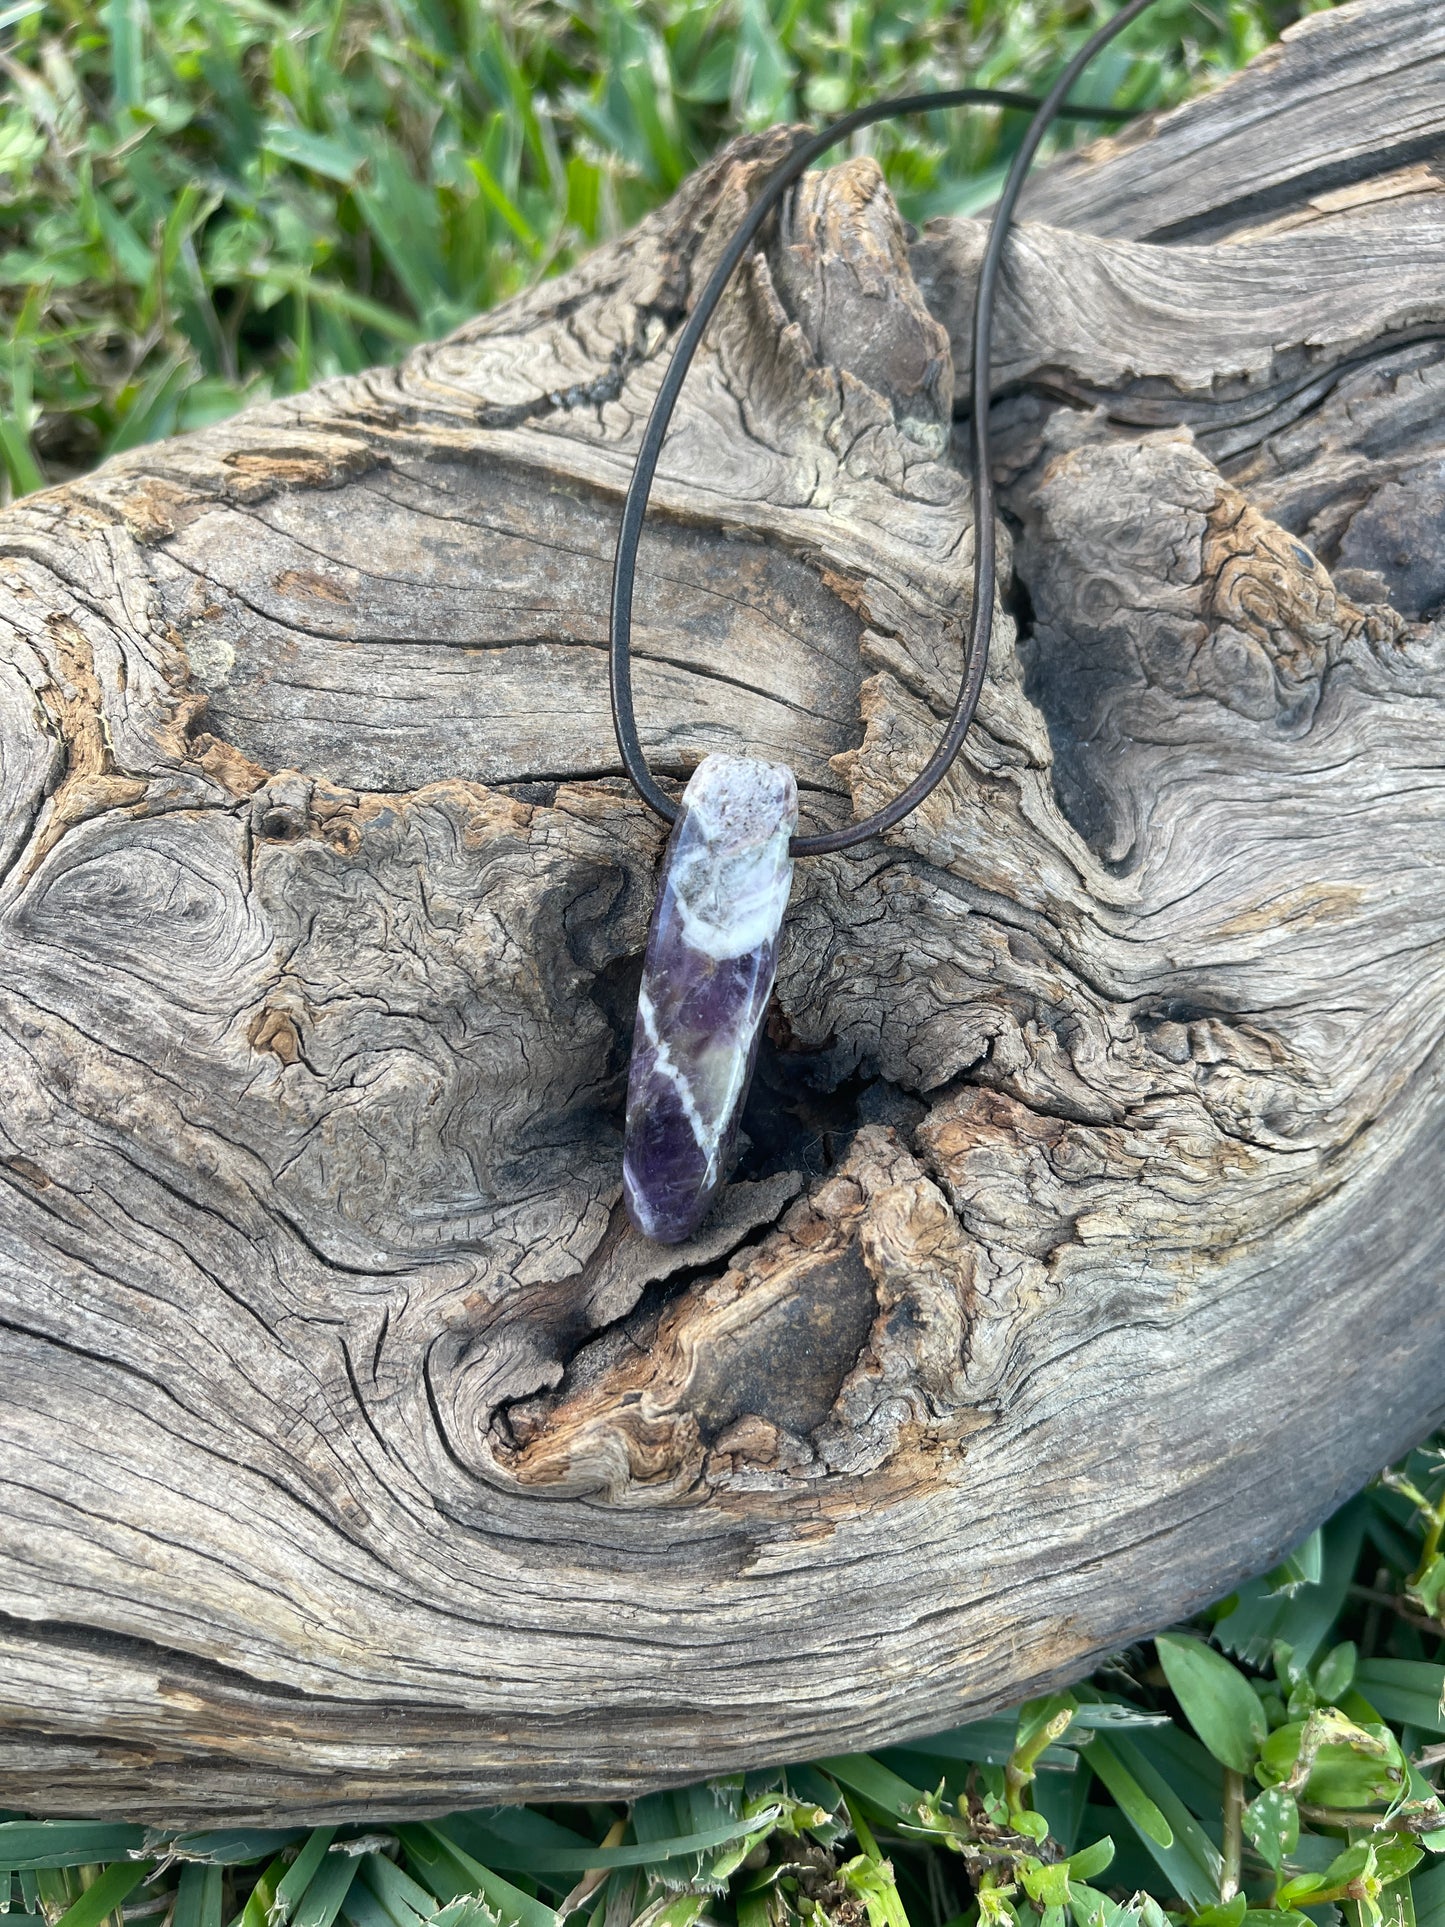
206 202
1271 1765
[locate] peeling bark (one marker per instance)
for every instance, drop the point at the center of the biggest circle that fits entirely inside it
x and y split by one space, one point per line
356 1453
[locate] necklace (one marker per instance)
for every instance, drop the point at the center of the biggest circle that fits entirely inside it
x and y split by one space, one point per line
712 950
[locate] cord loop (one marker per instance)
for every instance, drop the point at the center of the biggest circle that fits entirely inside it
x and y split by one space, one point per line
634 508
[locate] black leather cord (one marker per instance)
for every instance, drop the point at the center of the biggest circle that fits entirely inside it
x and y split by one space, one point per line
634 508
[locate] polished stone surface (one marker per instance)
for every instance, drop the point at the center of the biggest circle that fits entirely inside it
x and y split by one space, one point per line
712 954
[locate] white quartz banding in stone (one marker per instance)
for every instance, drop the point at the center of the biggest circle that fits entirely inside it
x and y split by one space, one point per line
712 954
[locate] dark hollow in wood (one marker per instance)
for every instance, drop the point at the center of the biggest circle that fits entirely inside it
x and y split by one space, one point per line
355 1454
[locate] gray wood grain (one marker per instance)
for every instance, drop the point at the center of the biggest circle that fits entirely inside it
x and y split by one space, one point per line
1306 119
355 1454
1234 339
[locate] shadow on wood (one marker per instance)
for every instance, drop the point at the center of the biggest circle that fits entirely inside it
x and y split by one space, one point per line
1086 1250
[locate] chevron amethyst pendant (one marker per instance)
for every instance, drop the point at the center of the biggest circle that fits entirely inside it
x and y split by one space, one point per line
712 954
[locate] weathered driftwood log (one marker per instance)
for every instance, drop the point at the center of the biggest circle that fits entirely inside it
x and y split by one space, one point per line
1087 1249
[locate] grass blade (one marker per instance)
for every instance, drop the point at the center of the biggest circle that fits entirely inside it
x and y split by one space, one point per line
361 1906
1428 1892
198 1897
106 1892
1191 1862
227 1846
123 24
27 1844
257 1910
430 1848
881 1787
1409 1691
548 1859
299 1875
405 1900
322 1901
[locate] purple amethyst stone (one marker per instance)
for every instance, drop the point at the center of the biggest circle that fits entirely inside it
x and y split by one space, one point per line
712 954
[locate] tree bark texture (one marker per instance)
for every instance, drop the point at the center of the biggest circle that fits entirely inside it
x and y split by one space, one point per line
1086 1251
